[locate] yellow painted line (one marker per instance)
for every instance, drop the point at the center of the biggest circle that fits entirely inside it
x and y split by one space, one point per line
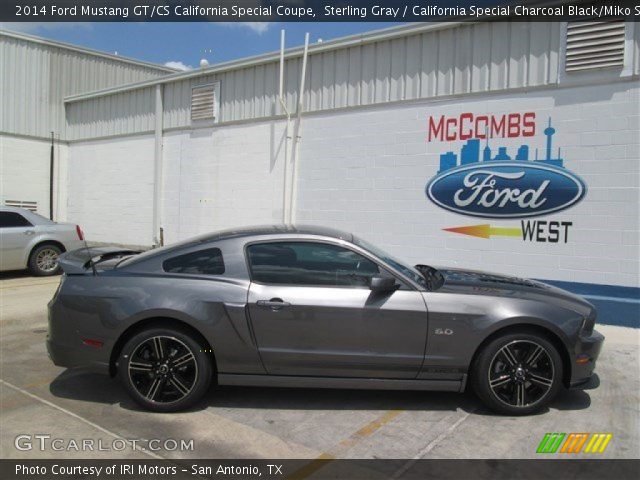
38 384
352 440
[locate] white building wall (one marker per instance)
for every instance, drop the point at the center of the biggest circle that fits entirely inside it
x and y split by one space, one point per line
110 190
365 171
218 178
24 173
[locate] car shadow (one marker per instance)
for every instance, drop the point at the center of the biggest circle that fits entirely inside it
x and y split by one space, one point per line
15 274
12 274
98 388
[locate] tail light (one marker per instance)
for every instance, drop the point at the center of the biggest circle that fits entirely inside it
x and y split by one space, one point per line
79 232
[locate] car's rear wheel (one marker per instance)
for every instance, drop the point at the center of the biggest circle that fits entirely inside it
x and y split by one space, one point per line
43 261
518 373
165 370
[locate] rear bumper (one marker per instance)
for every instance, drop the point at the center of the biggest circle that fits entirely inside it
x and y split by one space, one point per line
587 352
66 343
76 357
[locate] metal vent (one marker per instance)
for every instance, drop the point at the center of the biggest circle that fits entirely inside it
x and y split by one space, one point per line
203 102
27 204
594 45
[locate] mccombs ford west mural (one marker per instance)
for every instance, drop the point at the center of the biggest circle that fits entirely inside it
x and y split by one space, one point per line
513 188
487 180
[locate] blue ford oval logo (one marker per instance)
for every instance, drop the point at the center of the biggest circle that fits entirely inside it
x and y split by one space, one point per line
506 189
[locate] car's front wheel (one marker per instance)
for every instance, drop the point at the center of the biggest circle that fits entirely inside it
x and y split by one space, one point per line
165 370
518 373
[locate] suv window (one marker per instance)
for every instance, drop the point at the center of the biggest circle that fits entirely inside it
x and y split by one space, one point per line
307 263
13 219
202 262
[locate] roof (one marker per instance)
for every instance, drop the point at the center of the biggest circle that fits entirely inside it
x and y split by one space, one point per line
87 51
265 230
338 43
241 232
33 217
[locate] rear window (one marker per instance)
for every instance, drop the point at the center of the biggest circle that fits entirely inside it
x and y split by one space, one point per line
13 219
202 262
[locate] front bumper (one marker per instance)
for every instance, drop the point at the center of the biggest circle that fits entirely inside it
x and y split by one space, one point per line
585 355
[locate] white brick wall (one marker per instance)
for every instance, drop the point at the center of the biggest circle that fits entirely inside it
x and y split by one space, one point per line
24 173
222 177
111 189
366 171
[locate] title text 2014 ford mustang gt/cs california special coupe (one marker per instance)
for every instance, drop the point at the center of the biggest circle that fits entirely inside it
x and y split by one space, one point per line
313 307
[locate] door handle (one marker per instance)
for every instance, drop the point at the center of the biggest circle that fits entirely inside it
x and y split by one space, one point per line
273 304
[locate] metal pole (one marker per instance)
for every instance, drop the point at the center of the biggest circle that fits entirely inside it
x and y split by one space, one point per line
295 160
281 90
157 168
51 168
285 166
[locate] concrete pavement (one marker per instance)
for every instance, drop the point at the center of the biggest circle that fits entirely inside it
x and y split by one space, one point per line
37 397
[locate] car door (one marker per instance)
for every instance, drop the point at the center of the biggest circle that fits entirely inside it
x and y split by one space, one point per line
15 235
313 313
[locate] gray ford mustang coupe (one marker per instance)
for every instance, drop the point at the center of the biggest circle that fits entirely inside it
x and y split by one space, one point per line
313 307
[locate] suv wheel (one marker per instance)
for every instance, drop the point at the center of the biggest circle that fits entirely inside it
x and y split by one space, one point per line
518 374
165 370
44 260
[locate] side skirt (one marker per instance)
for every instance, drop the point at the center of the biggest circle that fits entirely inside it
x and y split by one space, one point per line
338 382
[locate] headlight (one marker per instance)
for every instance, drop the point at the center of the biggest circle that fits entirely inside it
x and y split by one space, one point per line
588 323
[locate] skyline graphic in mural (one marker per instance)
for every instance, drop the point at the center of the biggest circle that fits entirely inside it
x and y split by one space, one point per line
470 153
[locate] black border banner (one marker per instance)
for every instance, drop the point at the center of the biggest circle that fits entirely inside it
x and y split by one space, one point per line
582 469
312 10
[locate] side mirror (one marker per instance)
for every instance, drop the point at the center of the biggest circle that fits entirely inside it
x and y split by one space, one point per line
383 284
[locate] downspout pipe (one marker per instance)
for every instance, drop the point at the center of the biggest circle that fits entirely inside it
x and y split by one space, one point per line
297 134
157 167
51 176
286 207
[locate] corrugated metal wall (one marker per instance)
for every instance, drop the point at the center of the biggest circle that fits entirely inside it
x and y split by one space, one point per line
464 59
467 58
36 77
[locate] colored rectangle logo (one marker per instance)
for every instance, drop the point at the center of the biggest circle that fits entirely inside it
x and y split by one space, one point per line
575 442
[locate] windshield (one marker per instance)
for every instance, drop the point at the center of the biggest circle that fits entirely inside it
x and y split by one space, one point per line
410 272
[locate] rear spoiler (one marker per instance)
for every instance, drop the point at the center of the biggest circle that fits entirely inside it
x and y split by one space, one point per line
77 262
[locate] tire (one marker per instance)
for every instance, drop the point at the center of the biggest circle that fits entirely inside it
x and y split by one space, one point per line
518 373
43 261
168 377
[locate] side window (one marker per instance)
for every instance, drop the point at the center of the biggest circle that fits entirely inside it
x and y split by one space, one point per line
306 263
202 262
13 219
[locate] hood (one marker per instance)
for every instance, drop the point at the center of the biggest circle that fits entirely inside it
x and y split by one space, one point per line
493 284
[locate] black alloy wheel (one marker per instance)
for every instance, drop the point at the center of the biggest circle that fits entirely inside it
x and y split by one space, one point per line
518 374
165 370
